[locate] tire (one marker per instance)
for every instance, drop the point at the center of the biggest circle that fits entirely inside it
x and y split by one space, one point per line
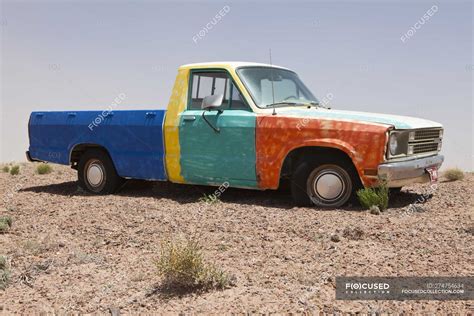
395 191
97 174
324 184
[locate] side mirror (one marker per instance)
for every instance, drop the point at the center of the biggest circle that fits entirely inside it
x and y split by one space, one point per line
212 102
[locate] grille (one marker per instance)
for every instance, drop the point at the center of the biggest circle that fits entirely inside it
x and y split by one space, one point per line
424 141
424 148
427 134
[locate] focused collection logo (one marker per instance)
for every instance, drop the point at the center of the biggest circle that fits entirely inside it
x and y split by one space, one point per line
367 287
404 288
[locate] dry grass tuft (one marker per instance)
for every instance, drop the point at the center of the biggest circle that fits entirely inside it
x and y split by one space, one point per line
43 169
15 170
5 223
4 273
182 267
454 174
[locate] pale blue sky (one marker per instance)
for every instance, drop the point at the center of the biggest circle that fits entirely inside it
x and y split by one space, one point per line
65 55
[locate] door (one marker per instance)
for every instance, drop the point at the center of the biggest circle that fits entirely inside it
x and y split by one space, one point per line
219 147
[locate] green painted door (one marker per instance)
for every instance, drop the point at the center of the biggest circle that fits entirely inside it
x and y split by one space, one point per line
228 154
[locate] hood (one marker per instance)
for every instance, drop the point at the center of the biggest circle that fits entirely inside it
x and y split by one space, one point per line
398 121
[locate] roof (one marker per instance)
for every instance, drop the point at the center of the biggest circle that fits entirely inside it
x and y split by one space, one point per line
231 64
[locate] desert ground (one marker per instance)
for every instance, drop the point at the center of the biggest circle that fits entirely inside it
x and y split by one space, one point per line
70 251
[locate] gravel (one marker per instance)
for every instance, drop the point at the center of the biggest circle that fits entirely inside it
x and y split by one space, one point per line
70 251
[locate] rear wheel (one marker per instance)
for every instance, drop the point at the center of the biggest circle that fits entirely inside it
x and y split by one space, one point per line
323 184
97 174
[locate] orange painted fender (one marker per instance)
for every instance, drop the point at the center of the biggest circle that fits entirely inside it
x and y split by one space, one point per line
277 136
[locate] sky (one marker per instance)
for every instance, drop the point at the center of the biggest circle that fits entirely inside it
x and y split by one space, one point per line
81 55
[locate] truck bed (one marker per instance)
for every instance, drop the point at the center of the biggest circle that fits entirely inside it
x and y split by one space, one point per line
133 139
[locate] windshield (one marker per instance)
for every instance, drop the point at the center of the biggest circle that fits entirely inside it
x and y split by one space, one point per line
287 89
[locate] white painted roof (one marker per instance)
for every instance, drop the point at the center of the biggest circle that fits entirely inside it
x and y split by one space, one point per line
233 64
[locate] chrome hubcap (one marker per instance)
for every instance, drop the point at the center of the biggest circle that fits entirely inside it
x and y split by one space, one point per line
95 174
328 185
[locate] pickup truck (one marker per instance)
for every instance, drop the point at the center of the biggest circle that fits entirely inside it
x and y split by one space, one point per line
247 125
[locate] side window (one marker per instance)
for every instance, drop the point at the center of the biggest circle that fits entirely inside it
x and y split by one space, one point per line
237 101
209 83
212 83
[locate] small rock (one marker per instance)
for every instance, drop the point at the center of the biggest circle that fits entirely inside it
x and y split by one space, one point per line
335 238
374 209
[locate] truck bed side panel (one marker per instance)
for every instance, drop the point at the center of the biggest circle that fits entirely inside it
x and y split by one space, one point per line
133 139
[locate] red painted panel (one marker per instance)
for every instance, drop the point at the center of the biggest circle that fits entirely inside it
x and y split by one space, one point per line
277 136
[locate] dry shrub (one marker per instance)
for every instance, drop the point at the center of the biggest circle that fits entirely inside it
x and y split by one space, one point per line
5 223
454 174
4 273
15 170
182 267
43 169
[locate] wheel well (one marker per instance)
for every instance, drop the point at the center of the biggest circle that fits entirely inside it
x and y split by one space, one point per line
79 150
296 156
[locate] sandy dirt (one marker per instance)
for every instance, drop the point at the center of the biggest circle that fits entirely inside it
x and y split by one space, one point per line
72 251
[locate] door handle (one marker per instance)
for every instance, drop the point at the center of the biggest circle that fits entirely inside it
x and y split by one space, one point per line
71 114
150 114
189 118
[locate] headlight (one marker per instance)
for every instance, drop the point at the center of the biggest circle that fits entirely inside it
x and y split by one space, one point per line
393 144
398 143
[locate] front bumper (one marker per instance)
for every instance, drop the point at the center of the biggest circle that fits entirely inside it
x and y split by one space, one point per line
401 173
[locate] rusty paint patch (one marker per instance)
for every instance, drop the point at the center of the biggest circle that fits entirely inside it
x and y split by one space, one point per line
277 136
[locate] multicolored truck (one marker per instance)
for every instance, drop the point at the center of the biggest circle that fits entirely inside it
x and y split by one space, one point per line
247 125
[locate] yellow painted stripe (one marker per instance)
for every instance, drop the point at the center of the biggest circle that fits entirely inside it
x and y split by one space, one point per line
176 106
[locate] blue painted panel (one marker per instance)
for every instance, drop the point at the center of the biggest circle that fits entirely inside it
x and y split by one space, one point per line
134 139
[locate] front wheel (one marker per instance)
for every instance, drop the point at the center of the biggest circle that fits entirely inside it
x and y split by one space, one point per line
96 173
324 185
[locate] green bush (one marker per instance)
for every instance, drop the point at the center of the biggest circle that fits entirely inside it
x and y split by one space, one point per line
182 267
6 219
5 223
43 169
454 174
377 196
15 170
6 169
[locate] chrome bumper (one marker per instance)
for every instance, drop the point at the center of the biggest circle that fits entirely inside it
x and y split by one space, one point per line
401 173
